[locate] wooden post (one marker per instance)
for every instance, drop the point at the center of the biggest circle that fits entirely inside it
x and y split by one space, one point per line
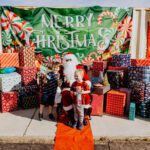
133 44
143 35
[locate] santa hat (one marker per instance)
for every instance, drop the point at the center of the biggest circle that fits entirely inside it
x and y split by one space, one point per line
67 53
70 55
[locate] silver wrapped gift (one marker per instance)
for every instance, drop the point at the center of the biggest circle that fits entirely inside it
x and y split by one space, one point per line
10 82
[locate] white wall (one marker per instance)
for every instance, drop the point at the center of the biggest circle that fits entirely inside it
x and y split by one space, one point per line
139 34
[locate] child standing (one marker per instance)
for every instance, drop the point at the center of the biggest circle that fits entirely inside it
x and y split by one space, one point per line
48 86
81 97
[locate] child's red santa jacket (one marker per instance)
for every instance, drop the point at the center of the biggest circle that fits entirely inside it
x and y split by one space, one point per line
84 97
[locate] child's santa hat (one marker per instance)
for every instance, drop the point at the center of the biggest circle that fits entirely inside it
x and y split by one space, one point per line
85 77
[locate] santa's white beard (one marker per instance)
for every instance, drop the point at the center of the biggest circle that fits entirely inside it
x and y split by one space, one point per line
69 70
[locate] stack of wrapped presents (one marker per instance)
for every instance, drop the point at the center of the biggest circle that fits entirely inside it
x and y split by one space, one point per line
18 80
127 89
120 87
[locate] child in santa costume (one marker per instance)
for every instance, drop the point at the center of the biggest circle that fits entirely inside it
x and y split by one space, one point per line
70 64
81 98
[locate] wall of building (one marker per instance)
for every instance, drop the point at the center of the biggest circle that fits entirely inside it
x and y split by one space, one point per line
141 16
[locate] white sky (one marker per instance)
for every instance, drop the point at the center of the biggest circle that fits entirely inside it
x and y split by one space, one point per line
77 3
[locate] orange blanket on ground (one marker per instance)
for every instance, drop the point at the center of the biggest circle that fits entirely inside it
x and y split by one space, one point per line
72 139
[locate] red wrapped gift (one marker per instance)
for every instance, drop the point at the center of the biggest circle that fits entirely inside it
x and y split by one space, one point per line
26 56
115 103
9 60
28 75
9 101
97 104
97 67
140 62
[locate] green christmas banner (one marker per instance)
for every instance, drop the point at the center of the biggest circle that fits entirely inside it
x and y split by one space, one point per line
87 32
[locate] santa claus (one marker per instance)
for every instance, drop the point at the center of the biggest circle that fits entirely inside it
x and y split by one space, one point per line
70 64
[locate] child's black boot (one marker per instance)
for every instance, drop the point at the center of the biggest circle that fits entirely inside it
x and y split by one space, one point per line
40 117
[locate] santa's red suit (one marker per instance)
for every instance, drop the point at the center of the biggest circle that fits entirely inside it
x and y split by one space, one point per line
67 97
67 100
